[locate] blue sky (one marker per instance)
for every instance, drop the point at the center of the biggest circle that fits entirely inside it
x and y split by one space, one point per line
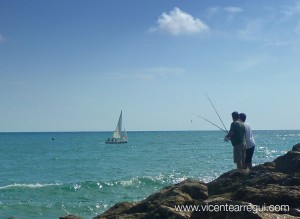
74 65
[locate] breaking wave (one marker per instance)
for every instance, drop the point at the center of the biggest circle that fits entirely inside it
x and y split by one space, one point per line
24 185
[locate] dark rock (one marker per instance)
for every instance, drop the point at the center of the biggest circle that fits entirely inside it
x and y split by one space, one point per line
295 212
268 184
296 147
163 212
227 183
70 217
265 178
270 195
292 180
224 208
177 194
195 189
288 163
115 210
161 204
267 166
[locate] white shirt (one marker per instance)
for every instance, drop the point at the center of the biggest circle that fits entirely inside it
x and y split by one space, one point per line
249 137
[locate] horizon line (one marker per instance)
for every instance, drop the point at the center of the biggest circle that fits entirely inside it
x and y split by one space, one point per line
206 130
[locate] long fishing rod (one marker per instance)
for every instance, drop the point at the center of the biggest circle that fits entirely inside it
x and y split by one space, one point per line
211 122
216 112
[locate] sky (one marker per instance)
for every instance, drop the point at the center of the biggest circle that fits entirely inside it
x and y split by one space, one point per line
74 65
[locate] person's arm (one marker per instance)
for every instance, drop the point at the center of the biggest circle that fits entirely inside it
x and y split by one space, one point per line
231 132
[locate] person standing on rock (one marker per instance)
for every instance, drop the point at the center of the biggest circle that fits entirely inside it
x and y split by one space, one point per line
237 136
249 142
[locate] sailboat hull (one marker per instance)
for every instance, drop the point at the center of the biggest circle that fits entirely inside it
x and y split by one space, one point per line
115 142
119 137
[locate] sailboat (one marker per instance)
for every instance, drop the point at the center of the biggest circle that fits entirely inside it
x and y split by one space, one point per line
119 136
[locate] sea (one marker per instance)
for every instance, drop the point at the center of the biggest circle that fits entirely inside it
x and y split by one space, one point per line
48 175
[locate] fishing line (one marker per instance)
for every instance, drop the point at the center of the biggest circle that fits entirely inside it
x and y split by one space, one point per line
211 123
216 112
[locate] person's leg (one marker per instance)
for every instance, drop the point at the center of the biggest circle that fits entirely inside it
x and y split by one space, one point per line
249 156
244 146
239 164
238 156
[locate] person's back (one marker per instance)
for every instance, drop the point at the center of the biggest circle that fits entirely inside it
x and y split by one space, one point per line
237 136
239 132
249 141
249 136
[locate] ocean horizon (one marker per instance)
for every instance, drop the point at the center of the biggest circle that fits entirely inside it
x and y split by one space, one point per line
50 174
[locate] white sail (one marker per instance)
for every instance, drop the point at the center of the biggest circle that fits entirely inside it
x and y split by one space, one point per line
125 138
117 132
119 136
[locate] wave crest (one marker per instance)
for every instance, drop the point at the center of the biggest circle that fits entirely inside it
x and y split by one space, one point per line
30 185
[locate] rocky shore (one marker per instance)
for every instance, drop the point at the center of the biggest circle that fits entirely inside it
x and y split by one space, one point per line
269 190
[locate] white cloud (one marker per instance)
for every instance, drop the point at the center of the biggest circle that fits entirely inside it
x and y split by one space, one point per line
178 22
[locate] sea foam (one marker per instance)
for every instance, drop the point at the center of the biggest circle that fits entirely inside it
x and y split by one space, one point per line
24 185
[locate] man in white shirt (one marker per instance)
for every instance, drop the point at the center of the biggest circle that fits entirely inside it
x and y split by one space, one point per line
249 141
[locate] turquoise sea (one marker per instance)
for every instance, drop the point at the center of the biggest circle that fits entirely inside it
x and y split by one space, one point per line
78 174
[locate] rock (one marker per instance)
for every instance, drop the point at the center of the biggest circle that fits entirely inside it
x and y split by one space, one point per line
70 217
224 208
115 210
164 212
195 189
288 163
270 184
227 183
270 195
296 147
292 180
295 212
162 203
267 166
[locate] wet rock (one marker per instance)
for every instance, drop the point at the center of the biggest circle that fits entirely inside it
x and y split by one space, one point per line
296 147
270 195
269 184
288 163
218 208
70 217
162 203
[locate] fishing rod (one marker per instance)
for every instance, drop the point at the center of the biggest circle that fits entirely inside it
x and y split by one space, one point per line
216 112
211 123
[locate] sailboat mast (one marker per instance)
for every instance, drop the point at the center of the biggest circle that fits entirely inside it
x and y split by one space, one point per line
120 122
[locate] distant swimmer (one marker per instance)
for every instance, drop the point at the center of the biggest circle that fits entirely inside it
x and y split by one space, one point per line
53 139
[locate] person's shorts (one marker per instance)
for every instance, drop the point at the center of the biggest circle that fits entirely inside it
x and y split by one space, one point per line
239 152
249 154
